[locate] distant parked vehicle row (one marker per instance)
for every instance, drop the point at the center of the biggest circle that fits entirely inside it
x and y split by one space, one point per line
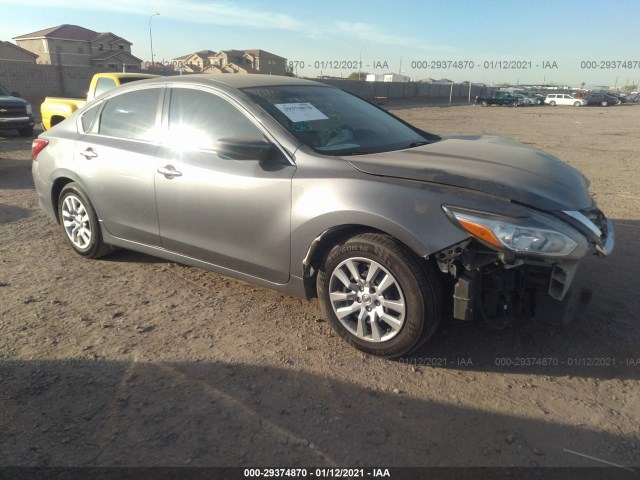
579 99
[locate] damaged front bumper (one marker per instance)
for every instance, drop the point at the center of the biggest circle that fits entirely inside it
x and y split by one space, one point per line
492 283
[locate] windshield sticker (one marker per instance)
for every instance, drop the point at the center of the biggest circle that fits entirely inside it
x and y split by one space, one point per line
301 112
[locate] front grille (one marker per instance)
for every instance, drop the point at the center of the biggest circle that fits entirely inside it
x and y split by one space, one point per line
9 111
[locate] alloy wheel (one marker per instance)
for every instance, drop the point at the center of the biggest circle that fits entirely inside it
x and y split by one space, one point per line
367 299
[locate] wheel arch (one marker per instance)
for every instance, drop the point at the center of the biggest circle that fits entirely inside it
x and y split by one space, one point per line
57 186
323 243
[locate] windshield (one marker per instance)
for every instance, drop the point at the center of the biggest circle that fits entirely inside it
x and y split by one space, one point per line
4 92
333 122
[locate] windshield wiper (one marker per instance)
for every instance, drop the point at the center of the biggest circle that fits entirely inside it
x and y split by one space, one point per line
418 144
357 152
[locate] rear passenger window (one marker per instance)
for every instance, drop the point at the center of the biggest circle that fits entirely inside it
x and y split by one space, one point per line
131 115
88 117
197 119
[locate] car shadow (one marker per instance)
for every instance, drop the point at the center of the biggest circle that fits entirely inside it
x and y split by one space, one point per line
73 412
12 213
15 174
129 256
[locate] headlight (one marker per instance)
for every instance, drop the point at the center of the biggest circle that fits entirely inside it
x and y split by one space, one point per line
534 235
29 109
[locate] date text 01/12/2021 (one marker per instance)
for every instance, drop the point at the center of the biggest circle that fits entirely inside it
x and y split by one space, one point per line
427 64
317 472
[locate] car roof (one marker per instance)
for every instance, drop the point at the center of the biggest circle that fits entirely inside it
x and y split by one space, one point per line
235 80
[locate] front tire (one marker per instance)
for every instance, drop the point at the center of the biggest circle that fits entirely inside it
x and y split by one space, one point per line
378 296
25 132
80 223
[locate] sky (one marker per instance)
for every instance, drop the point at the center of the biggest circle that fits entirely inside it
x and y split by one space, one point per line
525 42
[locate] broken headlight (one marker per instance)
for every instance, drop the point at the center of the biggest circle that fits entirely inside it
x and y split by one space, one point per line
532 235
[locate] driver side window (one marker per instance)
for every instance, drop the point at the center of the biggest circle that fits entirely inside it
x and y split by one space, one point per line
197 119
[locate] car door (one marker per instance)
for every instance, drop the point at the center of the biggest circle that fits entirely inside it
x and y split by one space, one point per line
231 213
114 161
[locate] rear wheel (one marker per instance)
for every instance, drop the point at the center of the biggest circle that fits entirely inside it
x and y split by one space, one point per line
552 103
378 296
484 103
80 223
604 103
576 104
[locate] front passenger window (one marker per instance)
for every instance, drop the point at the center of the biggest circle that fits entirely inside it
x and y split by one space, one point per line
197 119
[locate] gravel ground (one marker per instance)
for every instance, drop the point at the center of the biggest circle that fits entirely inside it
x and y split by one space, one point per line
132 360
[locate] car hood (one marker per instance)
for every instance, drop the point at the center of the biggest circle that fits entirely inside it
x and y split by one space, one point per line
494 165
11 101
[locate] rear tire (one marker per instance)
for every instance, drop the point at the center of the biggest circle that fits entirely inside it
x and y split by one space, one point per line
604 103
553 104
576 104
378 296
80 223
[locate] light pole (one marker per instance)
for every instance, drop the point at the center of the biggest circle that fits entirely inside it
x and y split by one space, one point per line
150 37
360 66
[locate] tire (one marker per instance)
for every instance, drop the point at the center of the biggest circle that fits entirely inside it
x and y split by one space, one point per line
484 103
80 223
552 103
402 296
604 103
576 104
26 132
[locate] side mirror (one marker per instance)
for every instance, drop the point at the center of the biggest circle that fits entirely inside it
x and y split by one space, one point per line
245 148
15 94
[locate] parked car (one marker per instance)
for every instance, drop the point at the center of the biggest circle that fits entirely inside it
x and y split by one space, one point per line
55 109
524 100
554 99
602 99
305 188
15 113
622 98
497 98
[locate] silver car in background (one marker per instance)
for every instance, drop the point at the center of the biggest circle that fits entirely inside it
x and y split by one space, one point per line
302 187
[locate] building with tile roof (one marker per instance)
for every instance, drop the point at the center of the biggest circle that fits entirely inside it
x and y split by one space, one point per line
232 61
75 45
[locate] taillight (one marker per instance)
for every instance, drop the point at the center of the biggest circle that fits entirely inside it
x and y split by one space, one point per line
37 146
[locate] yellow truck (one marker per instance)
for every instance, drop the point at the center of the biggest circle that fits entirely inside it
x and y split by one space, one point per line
55 109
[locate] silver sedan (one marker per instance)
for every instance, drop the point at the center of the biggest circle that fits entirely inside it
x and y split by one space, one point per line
305 188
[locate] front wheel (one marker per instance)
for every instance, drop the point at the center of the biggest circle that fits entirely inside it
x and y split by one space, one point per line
80 223
26 132
553 104
378 296
604 103
484 103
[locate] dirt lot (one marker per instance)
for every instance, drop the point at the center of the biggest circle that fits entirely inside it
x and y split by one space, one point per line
132 360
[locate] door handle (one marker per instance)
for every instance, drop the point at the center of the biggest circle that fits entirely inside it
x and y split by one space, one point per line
169 171
89 154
